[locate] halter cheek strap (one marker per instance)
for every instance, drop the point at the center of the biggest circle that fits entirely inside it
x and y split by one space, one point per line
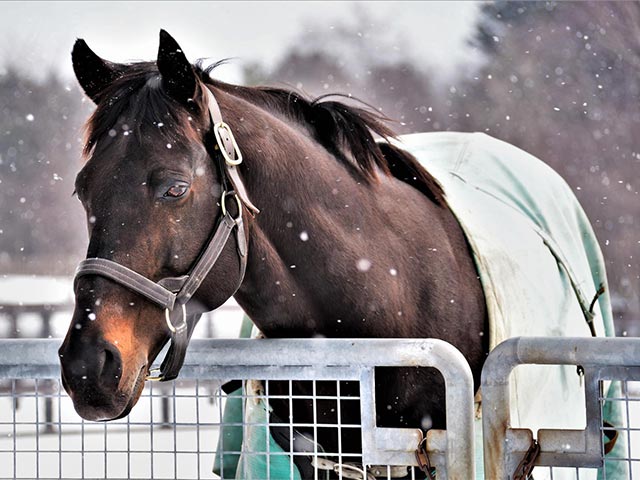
173 293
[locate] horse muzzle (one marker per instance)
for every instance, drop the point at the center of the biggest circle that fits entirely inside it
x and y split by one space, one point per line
92 376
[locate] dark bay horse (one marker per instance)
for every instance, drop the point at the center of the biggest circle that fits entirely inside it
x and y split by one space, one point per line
353 237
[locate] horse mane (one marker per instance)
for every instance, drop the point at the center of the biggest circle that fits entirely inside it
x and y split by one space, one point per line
346 131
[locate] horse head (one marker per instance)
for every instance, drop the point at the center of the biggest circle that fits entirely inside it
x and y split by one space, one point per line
152 195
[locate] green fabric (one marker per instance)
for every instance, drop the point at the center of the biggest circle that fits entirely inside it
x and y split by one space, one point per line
260 452
539 264
613 413
245 453
230 440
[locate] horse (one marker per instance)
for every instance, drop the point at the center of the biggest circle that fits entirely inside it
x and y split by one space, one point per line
197 190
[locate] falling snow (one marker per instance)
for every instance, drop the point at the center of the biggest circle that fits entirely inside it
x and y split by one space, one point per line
363 265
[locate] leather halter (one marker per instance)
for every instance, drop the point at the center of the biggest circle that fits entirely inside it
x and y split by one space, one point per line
173 293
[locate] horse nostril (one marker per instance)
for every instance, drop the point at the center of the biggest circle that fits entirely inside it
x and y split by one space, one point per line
111 367
89 366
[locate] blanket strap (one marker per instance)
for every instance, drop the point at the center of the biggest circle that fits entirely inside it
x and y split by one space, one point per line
600 291
422 457
612 436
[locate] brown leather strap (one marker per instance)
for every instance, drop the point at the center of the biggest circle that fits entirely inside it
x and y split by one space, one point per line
525 467
207 259
127 277
156 292
612 436
227 144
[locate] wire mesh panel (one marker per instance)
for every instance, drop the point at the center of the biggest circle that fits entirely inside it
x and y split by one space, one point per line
41 436
312 415
607 446
625 460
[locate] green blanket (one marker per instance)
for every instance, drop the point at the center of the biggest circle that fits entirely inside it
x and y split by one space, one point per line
539 263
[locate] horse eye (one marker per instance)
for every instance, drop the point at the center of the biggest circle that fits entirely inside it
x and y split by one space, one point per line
176 191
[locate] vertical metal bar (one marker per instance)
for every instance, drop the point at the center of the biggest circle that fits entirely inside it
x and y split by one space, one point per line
164 402
221 451
604 464
151 429
267 430
198 426
628 432
104 454
59 430
82 447
175 433
37 425
15 446
48 407
290 391
339 420
245 399
314 395
128 428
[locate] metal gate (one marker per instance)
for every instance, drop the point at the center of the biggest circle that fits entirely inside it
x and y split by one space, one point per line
42 437
600 361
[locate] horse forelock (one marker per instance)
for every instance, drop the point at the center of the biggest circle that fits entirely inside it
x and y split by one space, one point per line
135 105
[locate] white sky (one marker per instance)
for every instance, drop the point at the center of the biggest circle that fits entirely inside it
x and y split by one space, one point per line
38 36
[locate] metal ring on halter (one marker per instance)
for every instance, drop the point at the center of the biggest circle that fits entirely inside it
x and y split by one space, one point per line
227 156
167 316
223 203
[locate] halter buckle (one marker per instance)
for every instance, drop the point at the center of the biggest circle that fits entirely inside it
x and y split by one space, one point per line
223 203
167 316
220 129
155 375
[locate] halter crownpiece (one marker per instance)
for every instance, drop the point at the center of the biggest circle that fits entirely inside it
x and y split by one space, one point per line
173 293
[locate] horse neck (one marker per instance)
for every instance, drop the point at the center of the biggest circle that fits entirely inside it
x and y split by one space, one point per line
324 249
294 181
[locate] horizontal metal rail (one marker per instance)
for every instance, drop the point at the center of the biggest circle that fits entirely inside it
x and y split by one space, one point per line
317 359
601 358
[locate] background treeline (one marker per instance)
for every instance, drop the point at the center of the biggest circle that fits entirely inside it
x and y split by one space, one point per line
560 80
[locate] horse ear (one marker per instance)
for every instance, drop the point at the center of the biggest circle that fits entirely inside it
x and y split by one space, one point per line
178 77
93 73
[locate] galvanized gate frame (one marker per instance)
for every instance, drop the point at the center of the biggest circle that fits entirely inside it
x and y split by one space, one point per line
602 359
451 451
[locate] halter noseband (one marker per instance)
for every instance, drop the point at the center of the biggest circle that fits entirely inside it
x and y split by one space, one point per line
174 293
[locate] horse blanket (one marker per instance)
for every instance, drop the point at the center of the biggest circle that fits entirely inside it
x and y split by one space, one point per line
539 264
